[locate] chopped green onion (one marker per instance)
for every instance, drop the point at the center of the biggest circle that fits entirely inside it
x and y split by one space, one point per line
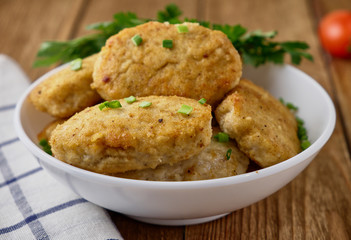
299 121
301 130
185 109
202 101
111 104
302 134
305 144
137 40
167 43
291 106
46 146
130 99
76 64
182 29
228 154
222 137
145 104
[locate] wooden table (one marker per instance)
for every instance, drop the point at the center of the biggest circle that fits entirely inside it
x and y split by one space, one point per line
317 204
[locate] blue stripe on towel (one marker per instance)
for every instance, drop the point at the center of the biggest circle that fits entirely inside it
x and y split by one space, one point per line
7 142
35 217
21 201
26 174
7 107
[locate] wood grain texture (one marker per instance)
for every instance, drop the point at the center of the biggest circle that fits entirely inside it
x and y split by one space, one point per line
134 230
316 204
302 209
25 25
97 12
339 69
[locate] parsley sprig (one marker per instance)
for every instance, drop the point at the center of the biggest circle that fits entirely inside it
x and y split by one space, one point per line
255 47
45 146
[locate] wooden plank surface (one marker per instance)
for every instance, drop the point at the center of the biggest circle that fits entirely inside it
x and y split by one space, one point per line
315 205
23 26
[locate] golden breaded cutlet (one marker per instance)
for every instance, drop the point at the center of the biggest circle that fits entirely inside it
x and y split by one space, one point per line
67 91
201 64
263 127
210 163
49 128
132 137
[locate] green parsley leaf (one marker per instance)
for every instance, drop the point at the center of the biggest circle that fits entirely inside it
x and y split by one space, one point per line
222 137
105 27
46 146
171 14
167 43
127 20
185 109
145 104
255 47
130 99
110 104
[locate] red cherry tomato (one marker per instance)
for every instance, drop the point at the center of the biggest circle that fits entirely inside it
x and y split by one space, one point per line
335 33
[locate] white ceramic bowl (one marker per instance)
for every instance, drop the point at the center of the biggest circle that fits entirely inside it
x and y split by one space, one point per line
181 203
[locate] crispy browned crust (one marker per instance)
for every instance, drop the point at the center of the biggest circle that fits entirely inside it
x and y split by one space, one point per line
264 128
202 63
131 137
49 128
67 91
210 163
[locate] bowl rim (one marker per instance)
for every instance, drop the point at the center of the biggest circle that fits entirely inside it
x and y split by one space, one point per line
242 178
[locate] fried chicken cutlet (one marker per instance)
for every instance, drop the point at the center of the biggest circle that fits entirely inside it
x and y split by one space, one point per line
201 63
131 137
263 127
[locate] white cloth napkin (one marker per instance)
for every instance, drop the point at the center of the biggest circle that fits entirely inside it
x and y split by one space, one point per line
32 204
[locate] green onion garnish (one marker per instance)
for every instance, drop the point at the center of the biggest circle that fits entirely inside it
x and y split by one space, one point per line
228 154
182 29
282 100
76 64
291 106
145 104
302 134
301 130
305 144
202 101
130 99
222 137
111 104
46 146
167 43
137 40
185 109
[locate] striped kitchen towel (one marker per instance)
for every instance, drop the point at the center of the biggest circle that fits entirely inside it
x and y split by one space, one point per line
32 204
